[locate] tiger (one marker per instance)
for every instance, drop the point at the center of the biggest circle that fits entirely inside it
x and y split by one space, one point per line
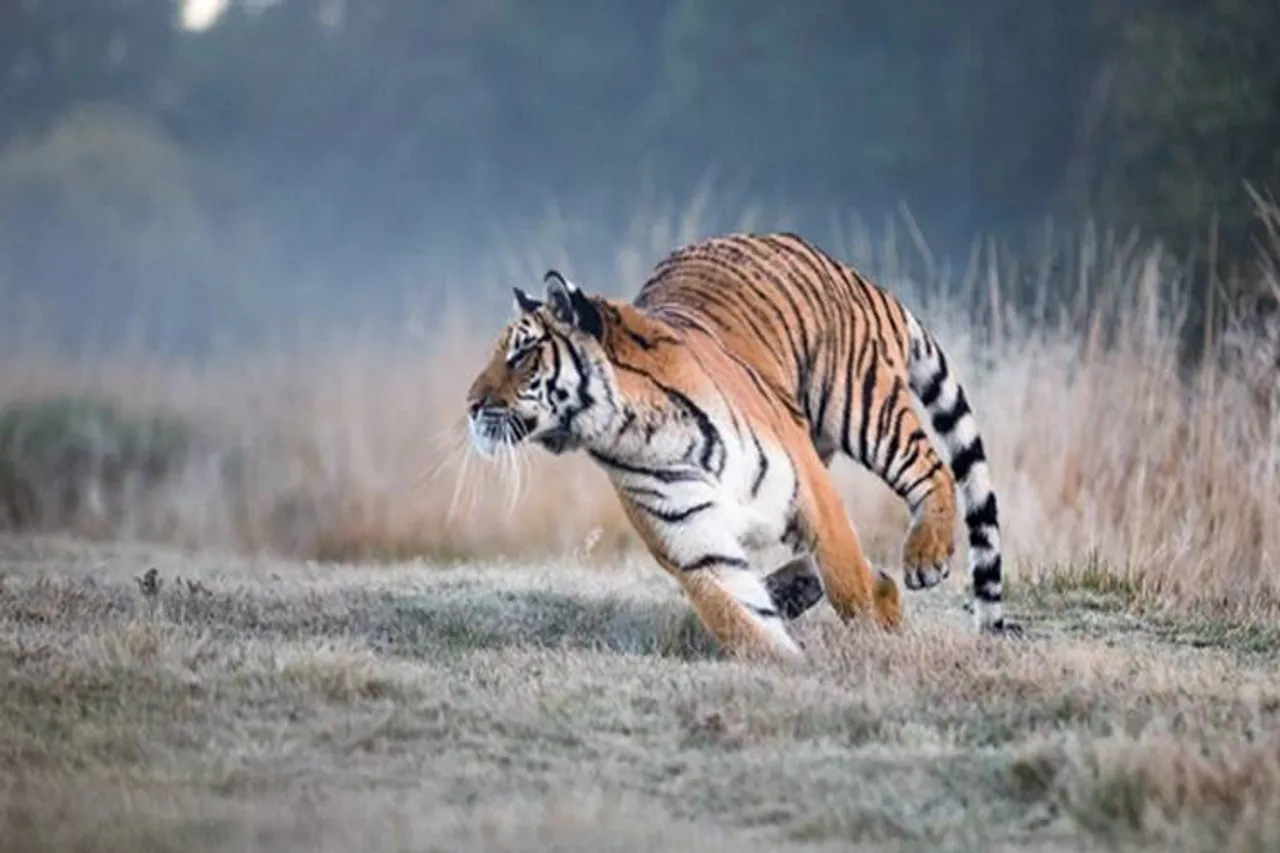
716 400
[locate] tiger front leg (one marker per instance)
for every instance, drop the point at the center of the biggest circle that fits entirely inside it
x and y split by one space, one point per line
731 601
736 608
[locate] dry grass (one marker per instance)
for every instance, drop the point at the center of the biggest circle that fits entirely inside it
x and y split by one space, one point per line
264 705
1106 452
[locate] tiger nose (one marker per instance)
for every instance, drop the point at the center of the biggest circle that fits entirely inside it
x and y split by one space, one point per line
479 404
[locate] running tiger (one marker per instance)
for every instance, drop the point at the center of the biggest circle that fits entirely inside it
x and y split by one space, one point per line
715 402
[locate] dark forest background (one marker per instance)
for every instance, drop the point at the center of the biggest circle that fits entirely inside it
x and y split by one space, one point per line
337 155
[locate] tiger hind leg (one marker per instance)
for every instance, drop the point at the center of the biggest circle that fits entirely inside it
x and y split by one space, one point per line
901 455
795 587
854 589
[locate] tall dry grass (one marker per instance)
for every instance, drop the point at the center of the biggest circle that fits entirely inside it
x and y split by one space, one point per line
1114 462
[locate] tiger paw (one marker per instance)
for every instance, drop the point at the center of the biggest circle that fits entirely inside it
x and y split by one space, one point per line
926 555
888 602
794 588
916 578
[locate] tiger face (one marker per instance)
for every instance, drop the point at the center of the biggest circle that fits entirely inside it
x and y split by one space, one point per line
548 380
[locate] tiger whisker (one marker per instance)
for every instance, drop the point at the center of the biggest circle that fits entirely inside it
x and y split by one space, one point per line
467 453
515 460
526 467
445 455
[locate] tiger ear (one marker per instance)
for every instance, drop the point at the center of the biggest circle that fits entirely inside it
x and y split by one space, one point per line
524 302
572 306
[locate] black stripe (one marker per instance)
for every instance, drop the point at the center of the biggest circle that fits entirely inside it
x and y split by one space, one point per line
837 347
674 516
708 560
945 421
985 577
762 612
557 364
814 279
713 300
983 514
932 389
808 282
639 339
584 399
762 297
925 477
762 465
978 538
868 400
665 475
884 317
645 491
966 458
793 535
895 435
894 314
908 459
710 435
855 281
887 410
733 417
779 285
767 389
855 358
825 377
706 287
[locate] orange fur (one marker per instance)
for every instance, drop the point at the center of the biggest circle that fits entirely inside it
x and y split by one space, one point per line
717 398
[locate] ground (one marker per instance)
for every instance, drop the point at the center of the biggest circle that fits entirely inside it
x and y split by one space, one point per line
220 703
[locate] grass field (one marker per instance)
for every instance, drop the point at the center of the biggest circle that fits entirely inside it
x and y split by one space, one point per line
264 705
352 636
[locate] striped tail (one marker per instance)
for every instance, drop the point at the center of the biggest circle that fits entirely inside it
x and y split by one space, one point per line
953 421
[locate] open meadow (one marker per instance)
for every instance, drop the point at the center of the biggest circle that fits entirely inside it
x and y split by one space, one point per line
270 602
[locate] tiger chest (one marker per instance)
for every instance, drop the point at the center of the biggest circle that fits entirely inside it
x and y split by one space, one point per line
749 508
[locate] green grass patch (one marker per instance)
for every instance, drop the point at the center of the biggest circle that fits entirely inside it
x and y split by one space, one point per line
66 458
1091 584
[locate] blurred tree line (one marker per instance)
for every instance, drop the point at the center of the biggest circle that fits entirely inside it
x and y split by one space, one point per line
322 134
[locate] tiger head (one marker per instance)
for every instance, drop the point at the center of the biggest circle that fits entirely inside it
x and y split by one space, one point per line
548 380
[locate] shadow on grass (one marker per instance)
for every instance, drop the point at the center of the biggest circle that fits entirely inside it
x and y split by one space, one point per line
449 616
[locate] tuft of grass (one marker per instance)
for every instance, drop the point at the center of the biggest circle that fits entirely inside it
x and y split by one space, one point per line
1161 788
1091 583
1244 637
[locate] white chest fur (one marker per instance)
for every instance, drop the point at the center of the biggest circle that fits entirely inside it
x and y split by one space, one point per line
737 507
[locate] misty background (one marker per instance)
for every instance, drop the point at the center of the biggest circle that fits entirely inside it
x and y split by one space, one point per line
206 170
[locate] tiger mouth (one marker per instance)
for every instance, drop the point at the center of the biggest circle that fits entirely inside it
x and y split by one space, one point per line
492 431
557 441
